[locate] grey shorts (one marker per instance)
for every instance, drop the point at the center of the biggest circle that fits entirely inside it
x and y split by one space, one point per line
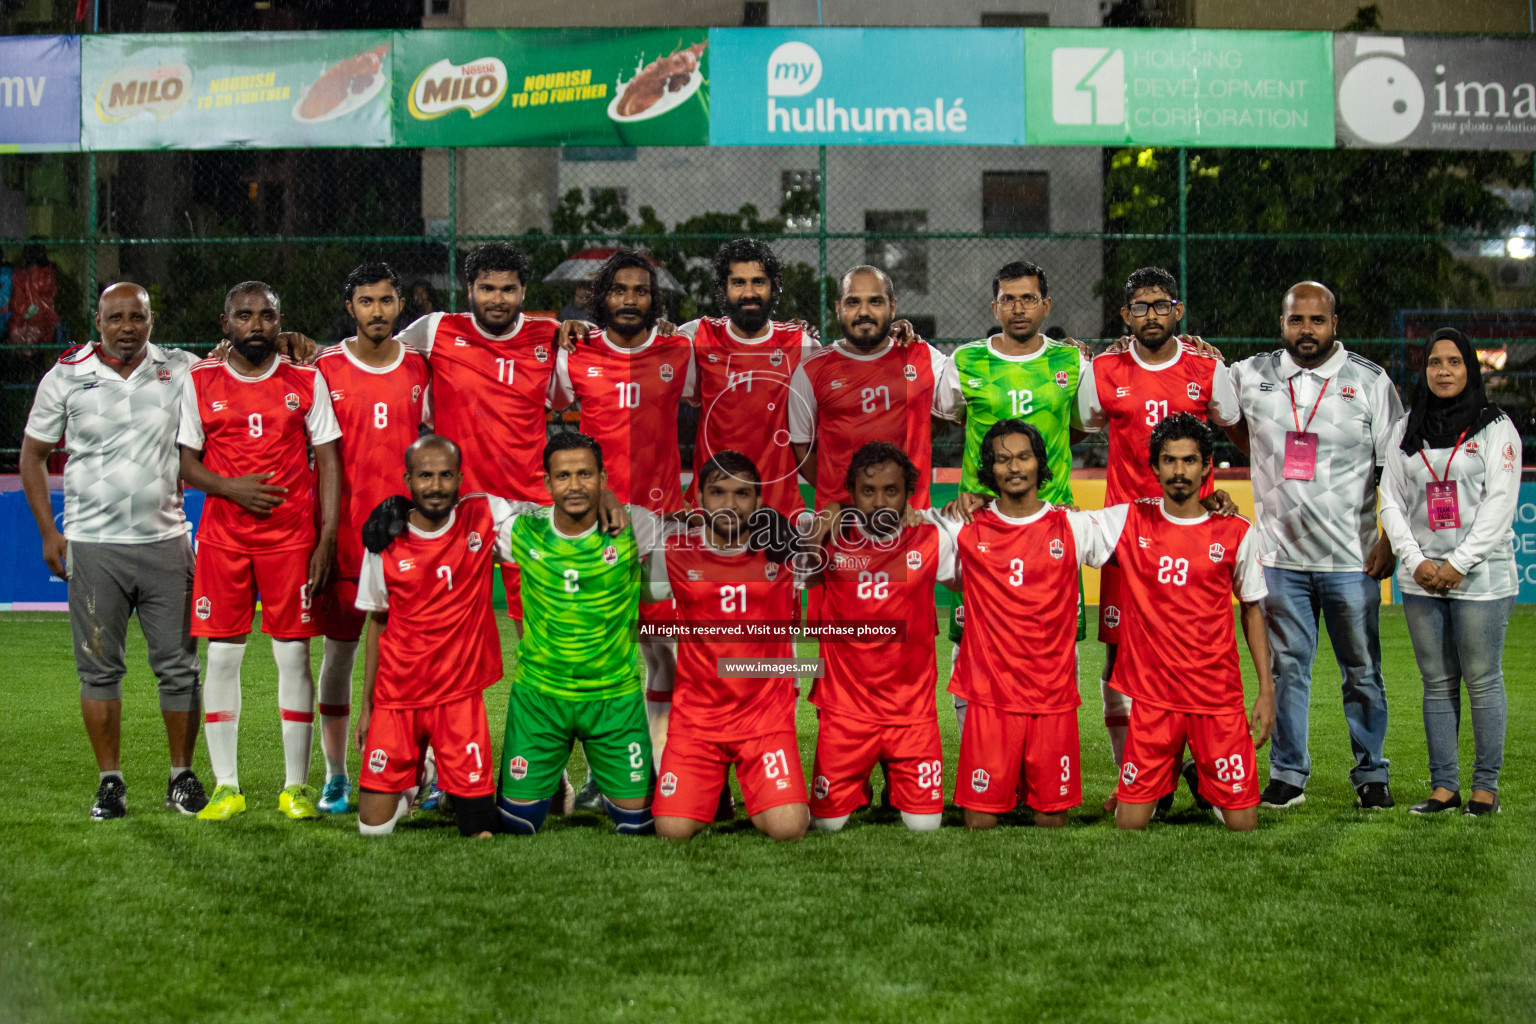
107 584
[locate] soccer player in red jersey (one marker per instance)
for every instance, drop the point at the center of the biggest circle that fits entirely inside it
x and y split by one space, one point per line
718 574
744 361
379 390
1128 392
432 646
864 388
1180 568
1017 668
246 426
492 376
876 698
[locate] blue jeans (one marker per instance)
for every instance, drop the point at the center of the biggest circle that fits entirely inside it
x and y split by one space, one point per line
1349 603
1456 642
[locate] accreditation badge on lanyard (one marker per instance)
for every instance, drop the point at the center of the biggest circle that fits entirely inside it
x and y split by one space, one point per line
1440 493
1301 443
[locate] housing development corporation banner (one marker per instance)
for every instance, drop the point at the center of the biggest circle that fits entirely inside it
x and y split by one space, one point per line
236 90
551 87
39 93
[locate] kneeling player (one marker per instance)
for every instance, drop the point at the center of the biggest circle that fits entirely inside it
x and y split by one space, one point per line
1017 668
432 643
876 700
718 572
1180 566
578 665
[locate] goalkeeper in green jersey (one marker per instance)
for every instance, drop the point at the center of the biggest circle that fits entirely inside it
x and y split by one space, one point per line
578 673
1018 374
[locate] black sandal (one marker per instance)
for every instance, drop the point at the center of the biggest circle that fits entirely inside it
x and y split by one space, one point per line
1479 807
1433 806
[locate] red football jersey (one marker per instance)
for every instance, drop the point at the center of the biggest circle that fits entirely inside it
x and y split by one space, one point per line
843 399
867 580
737 588
1129 398
259 424
441 642
1019 581
629 399
1178 647
744 399
489 396
380 409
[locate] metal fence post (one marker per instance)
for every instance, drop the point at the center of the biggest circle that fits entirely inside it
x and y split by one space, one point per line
1184 226
90 242
821 222
453 229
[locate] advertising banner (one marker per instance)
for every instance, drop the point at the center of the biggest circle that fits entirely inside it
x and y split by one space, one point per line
1184 87
552 87
857 86
39 94
1435 92
244 89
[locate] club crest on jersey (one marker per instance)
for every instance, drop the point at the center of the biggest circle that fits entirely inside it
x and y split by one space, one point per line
909 371
1128 773
776 358
960 615
1062 380
665 372
407 564
291 400
378 760
1112 617
914 559
1509 455
163 375
1058 549
771 571
1348 393
1217 552
1192 389
541 353
518 767
980 780
667 784
415 393
474 541
204 608
1472 448
610 555
822 787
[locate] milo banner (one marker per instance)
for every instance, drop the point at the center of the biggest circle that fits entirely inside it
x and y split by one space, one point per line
1436 92
39 93
551 87
257 89
1185 87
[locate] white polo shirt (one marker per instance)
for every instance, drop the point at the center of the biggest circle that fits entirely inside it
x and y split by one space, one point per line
121 483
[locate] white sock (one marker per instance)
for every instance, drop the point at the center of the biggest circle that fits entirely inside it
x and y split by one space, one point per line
830 824
336 701
114 773
1117 720
960 706
177 769
296 703
921 822
389 826
221 710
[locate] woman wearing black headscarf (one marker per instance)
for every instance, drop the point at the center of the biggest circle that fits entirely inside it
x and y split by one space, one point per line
1448 500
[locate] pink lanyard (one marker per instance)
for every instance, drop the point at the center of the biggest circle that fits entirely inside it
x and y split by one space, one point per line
1457 448
1291 384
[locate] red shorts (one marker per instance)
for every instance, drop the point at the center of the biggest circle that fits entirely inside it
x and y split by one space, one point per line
512 579
1010 757
225 585
1111 604
460 739
846 750
1220 743
693 770
340 618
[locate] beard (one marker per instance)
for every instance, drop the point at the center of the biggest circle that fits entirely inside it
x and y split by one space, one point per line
254 349
752 318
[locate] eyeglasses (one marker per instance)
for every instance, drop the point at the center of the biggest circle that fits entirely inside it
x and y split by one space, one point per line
1023 302
1162 307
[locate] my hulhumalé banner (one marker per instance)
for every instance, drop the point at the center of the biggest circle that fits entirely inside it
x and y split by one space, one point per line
1179 87
552 87
258 89
867 86
39 94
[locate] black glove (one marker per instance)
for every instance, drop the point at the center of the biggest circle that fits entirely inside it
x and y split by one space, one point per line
386 522
770 533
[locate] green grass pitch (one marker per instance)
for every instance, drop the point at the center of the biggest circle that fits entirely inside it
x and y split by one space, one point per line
1325 914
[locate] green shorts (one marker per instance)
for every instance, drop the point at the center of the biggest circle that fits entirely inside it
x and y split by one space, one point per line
541 730
957 627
